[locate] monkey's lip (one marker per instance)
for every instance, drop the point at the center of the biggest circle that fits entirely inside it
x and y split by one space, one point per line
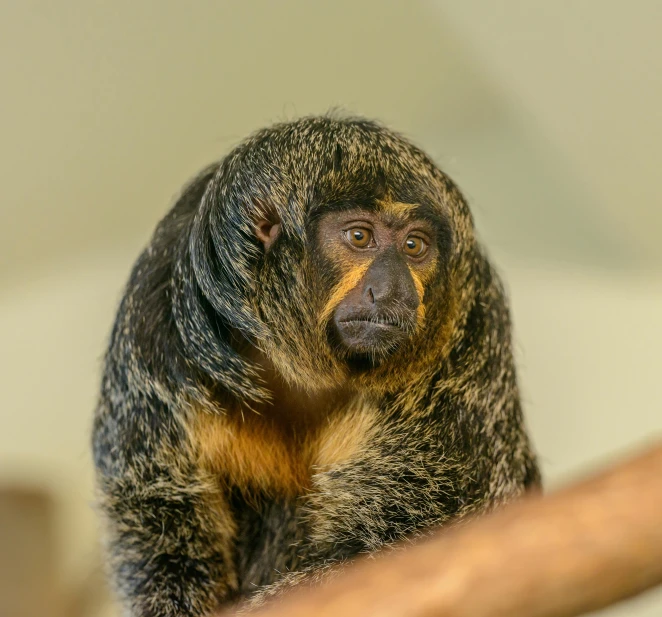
370 334
374 321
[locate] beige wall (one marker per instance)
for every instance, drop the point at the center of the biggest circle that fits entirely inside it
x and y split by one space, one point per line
107 108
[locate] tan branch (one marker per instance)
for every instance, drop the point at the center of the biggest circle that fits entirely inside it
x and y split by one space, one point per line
577 550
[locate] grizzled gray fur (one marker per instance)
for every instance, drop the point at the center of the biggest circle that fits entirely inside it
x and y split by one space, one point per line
240 445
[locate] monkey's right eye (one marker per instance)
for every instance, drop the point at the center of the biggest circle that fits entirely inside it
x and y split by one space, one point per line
359 237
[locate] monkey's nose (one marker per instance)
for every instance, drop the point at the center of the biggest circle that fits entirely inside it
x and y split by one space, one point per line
377 292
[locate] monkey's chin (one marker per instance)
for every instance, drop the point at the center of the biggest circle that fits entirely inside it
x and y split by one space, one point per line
369 339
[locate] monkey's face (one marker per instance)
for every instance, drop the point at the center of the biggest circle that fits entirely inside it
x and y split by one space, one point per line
383 259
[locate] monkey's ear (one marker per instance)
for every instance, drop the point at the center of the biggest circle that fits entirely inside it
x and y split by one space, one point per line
267 230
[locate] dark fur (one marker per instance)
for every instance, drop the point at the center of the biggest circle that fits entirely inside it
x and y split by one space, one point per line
449 440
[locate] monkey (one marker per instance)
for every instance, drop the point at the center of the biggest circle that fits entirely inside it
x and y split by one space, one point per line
312 361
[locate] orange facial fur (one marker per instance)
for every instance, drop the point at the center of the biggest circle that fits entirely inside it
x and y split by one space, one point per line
348 282
397 209
420 292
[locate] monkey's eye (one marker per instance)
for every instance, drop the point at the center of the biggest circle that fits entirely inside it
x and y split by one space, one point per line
415 246
359 237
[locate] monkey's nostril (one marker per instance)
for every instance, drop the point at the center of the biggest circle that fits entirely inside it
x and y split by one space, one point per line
371 295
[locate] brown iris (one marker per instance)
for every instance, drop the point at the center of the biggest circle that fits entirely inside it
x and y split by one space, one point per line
415 246
359 237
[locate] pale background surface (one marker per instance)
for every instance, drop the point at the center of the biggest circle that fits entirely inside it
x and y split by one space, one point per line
548 115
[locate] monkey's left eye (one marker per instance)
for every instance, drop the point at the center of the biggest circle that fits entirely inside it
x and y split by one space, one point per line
359 237
415 246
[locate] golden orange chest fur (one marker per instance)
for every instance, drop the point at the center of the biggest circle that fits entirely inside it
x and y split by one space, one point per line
254 452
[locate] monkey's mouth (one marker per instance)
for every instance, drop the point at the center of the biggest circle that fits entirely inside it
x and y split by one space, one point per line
379 322
372 334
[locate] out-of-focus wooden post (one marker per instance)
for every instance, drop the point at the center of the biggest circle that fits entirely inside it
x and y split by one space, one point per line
577 550
28 560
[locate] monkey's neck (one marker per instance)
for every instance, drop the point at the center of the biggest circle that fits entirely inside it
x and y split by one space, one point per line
299 408
291 408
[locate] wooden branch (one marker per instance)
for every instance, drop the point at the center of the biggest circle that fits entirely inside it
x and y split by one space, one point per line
576 550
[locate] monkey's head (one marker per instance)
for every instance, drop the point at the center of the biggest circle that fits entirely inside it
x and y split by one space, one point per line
335 247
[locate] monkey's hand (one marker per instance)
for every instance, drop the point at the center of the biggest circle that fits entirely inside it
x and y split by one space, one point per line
310 577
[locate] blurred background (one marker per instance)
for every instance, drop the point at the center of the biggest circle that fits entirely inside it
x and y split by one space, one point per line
547 114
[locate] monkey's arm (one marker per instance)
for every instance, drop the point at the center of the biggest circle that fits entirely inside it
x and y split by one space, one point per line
167 526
